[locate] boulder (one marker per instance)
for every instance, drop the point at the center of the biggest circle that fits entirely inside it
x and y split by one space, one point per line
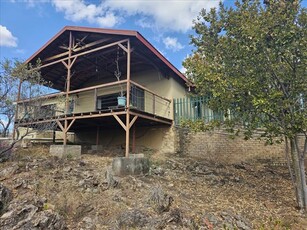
5 197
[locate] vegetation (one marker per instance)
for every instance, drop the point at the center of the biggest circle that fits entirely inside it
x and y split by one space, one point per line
251 60
20 82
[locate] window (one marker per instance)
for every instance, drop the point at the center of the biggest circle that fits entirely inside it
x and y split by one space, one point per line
106 101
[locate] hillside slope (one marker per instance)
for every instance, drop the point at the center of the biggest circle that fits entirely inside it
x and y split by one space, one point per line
179 193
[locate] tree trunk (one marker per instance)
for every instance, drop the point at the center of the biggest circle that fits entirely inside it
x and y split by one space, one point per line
299 171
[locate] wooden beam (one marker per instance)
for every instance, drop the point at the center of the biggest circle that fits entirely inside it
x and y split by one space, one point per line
65 133
60 125
127 135
71 123
98 86
79 90
152 118
81 40
77 49
56 56
76 117
73 61
133 138
132 122
91 44
97 135
128 99
68 73
123 47
120 122
83 53
65 64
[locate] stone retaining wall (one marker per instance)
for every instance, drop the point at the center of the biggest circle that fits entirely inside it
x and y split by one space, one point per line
219 146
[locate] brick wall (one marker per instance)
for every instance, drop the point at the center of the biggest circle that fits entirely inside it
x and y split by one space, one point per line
219 146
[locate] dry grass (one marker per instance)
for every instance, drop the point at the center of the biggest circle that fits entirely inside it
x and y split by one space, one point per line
256 192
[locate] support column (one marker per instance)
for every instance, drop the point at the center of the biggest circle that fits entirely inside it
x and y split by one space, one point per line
133 138
53 136
126 127
65 128
68 66
128 99
65 133
97 135
127 133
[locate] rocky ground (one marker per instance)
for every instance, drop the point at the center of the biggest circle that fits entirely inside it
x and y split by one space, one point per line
38 191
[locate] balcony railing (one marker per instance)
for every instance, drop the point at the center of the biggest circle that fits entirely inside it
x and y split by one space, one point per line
97 99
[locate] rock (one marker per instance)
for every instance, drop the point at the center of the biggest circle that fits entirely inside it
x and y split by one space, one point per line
241 225
81 183
48 220
87 223
132 219
4 173
176 216
160 201
5 197
67 169
157 171
30 216
111 181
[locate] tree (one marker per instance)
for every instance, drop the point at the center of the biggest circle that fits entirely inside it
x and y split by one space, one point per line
21 89
251 60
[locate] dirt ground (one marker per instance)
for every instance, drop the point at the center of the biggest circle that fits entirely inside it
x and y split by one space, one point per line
178 193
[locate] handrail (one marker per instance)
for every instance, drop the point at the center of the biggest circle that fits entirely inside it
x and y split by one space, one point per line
76 91
144 88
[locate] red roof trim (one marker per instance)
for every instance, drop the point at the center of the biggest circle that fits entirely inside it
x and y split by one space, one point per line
115 32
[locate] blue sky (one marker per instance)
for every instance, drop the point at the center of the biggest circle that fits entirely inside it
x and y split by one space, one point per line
26 25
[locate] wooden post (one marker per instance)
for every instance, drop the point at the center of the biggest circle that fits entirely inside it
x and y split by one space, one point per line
97 135
68 66
128 100
53 136
65 133
68 73
133 138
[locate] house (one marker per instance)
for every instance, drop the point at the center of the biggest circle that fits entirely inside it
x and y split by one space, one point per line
114 87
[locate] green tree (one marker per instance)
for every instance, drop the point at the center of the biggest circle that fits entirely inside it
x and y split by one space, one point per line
21 82
251 60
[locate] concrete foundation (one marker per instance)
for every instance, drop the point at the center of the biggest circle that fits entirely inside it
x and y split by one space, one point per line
65 151
123 166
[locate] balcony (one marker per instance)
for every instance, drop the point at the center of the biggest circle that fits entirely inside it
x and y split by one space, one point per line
97 101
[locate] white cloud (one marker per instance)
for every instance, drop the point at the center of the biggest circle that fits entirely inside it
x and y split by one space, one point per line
172 44
176 15
78 10
144 23
170 15
7 38
182 69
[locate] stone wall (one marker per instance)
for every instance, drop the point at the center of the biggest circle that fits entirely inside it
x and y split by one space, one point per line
219 146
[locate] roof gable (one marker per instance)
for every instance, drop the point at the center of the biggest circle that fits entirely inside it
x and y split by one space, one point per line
56 46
